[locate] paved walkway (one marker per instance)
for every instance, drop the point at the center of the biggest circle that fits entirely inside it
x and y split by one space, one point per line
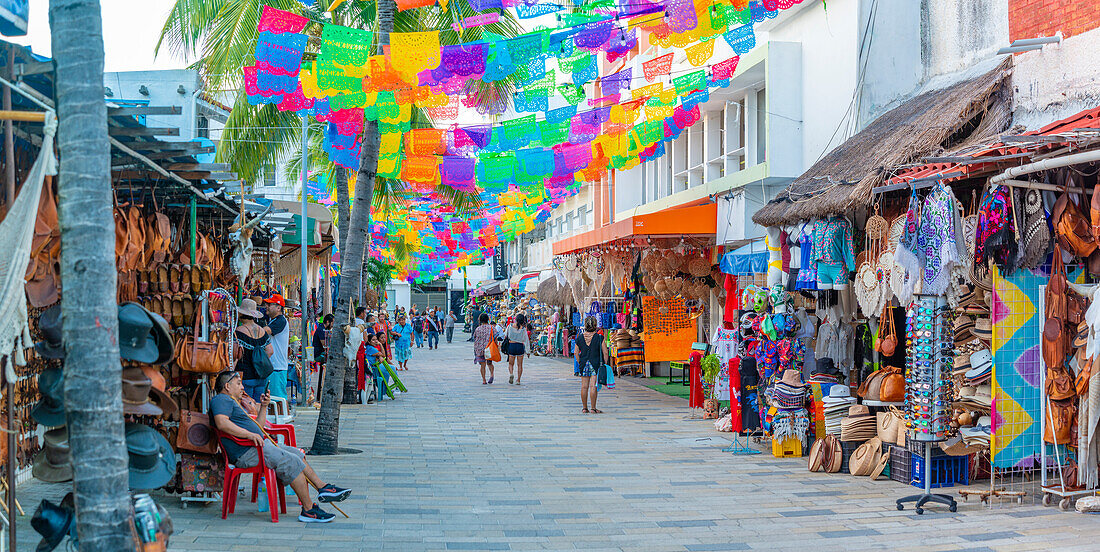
456 465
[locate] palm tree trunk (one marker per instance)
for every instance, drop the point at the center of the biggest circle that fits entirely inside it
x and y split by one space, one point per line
327 435
93 390
343 206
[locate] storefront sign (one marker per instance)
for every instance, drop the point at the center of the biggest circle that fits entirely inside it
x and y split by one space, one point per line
500 269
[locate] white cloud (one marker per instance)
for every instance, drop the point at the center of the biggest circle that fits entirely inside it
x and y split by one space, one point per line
130 32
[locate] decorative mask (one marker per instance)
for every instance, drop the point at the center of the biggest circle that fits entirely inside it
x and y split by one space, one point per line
710 409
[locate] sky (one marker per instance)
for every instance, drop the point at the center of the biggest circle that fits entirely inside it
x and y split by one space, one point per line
130 32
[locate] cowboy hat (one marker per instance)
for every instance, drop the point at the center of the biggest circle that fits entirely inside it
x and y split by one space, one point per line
135 341
50 410
54 523
165 402
248 308
49 325
135 393
53 464
152 462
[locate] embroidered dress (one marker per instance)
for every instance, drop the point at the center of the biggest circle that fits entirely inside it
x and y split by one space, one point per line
936 240
996 234
909 256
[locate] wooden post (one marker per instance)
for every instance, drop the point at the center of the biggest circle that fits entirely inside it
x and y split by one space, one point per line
194 227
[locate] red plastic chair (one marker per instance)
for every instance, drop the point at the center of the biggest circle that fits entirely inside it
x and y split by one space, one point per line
286 430
233 476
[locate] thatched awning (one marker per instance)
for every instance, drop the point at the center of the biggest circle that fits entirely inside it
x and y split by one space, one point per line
928 124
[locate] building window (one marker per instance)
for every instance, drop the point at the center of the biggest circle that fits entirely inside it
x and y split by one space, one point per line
582 216
269 175
569 222
761 126
202 127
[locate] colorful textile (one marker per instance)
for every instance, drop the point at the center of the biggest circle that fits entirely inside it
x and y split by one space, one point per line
909 256
936 240
996 236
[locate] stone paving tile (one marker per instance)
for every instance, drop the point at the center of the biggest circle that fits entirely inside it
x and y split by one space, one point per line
456 465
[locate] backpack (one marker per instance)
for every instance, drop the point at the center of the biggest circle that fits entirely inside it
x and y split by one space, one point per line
261 362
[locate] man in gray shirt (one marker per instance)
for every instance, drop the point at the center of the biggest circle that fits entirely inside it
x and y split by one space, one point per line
449 325
288 462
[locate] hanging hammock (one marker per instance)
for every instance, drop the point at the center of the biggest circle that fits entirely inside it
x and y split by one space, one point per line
17 229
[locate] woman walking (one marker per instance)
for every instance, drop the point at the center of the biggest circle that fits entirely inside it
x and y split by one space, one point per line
402 342
589 353
484 334
251 335
519 343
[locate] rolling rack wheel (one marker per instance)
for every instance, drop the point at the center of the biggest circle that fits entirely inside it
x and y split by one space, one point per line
1047 499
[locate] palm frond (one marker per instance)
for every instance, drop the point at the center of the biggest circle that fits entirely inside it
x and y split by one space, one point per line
255 135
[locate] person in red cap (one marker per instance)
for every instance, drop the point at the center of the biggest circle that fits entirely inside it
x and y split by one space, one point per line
280 341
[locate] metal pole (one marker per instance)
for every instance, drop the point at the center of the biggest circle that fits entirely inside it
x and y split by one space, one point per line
9 140
9 386
195 227
304 299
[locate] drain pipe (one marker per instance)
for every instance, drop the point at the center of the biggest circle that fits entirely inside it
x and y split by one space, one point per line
1047 164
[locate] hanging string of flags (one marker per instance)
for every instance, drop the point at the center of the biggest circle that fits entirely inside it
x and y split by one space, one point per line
520 168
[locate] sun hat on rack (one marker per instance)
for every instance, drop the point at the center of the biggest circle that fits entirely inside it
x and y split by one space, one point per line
838 394
54 522
248 308
983 329
135 339
50 409
962 363
981 359
792 378
135 393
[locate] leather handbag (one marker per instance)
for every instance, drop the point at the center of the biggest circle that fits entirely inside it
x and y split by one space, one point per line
1054 332
205 357
1071 227
1059 421
872 387
892 386
1060 384
888 338
196 433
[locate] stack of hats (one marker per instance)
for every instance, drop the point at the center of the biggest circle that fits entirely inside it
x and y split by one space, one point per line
860 425
789 393
975 303
835 407
981 368
978 397
979 435
144 341
825 372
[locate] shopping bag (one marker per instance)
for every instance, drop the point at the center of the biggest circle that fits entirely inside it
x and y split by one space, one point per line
492 352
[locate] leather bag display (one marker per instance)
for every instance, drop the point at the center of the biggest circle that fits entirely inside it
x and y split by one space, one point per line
888 335
1072 227
1058 424
196 431
892 388
205 357
1054 331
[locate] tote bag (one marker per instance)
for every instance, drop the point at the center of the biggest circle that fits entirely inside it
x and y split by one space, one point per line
492 352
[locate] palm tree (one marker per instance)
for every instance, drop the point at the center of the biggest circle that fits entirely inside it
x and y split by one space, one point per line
93 390
222 35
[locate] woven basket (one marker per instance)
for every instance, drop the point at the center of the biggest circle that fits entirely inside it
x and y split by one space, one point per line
674 285
876 227
660 288
698 267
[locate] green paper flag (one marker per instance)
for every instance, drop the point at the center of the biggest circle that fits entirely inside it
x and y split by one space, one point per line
346 47
686 84
572 94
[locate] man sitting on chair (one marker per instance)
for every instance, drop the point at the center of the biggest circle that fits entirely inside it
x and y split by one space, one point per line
288 462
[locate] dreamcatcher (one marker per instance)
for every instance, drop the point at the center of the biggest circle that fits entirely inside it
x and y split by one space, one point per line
870 286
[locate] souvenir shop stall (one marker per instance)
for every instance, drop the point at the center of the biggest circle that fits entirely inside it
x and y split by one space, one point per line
559 299
1030 394
867 348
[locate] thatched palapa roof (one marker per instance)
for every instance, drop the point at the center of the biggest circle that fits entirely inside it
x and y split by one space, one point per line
930 123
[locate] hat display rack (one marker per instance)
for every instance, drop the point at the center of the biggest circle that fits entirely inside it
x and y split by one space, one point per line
928 387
